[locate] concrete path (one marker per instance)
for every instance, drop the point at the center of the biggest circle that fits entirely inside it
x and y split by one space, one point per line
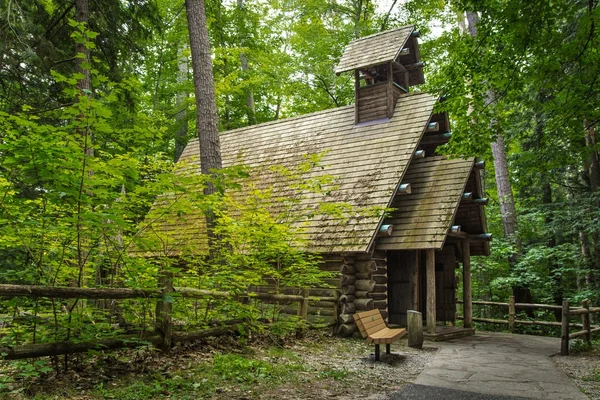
500 364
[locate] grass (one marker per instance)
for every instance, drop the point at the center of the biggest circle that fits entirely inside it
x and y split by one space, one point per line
224 368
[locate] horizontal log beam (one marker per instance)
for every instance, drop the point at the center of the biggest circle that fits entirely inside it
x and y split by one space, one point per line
405 51
480 237
404 188
415 34
127 341
479 165
437 138
385 230
414 66
419 154
432 127
479 202
127 293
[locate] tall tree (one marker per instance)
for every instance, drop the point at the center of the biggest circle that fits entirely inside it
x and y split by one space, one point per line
207 122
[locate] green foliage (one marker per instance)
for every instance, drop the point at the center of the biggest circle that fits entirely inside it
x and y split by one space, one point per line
332 373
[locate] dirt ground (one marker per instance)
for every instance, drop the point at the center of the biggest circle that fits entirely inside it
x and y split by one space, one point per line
584 368
314 367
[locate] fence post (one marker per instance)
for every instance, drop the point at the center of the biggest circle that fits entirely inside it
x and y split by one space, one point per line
511 314
164 308
564 337
303 305
586 321
336 309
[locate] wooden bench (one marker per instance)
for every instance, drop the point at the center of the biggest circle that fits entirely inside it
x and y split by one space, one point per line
373 328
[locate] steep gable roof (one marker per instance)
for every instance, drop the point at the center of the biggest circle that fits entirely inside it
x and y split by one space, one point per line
422 219
367 161
373 50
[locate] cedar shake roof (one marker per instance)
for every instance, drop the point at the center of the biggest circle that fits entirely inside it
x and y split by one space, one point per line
368 162
422 219
373 50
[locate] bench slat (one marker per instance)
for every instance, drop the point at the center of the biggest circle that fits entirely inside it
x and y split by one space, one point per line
373 327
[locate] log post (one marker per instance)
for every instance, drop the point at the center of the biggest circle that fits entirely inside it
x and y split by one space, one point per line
303 305
415 329
564 337
164 308
430 268
586 321
467 293
511 314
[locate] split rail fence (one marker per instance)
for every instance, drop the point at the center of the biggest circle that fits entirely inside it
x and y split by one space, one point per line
585 311
164 335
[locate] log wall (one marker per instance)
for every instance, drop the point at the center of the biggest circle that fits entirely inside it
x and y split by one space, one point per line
365 288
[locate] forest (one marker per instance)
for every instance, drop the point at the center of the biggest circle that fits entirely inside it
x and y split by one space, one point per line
98 100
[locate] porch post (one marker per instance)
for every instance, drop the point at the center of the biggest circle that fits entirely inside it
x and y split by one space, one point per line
467 295
430 261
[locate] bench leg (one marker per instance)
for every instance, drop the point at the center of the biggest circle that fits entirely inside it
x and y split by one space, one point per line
376 352
388 348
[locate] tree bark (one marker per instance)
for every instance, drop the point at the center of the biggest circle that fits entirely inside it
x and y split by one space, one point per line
82 13
207 120
505 195
250 107
180 103
204 88
594 180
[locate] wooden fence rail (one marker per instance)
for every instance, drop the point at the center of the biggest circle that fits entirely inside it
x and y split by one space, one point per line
566 311
165 334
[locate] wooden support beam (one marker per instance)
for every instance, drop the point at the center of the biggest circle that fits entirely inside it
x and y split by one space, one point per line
404 188
479 202
455 229
431 303
356 97
480 237
480 165
433 127
414 66
564 336
400 87
459 235
467 196
436 139
400 67
419 154
405 52
467 295
415 34
385 230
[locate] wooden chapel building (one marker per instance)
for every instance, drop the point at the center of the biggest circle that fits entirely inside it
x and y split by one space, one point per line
381 152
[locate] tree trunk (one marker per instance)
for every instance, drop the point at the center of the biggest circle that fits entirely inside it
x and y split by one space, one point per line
82 13
505 196
180 104
207 123
250 107
594 179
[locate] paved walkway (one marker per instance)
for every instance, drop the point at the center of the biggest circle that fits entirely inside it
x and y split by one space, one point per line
498 364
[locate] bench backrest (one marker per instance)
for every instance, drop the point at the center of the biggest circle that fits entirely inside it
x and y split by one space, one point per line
369 322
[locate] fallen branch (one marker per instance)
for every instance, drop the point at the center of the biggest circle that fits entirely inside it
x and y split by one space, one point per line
128 341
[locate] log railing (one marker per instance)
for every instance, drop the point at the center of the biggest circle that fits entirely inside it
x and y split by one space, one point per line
166 334
566 311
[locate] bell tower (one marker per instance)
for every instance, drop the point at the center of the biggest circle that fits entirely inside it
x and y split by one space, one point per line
385 66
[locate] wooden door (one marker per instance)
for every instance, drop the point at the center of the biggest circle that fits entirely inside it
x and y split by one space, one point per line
445 288
402 285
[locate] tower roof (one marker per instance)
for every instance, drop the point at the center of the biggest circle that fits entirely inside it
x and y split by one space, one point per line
375 49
